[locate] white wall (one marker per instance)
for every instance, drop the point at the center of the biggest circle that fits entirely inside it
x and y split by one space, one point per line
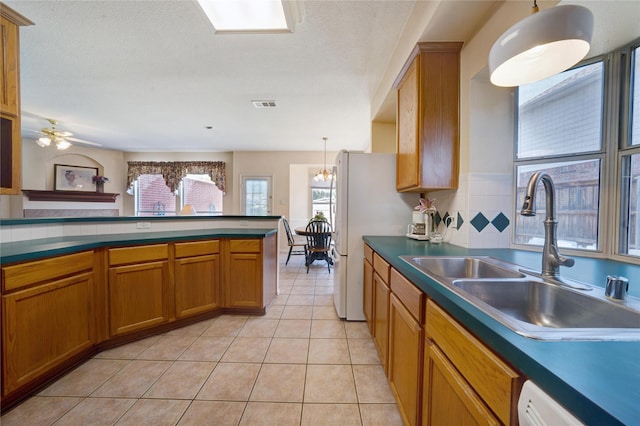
38 170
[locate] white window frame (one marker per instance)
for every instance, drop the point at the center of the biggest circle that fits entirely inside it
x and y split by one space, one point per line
542 161
615 147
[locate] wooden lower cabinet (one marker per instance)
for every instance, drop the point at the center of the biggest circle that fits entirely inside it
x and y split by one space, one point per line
495 383
406 339
448 399
367 302
59 310
139 288
381 317
250 273
47 322
197 277
244 271
138 297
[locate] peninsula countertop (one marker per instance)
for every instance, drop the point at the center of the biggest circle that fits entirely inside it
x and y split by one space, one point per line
21 251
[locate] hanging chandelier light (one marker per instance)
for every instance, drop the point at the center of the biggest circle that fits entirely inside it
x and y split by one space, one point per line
324 174
541 45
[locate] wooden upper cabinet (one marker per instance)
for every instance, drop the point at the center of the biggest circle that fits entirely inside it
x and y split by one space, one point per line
10 140
428 118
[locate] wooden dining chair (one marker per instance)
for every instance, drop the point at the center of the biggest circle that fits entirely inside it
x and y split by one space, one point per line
293 242
318 243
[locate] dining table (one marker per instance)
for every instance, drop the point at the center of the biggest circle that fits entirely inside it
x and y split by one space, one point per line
313 255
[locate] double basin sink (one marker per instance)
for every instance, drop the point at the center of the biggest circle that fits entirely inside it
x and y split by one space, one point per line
530 306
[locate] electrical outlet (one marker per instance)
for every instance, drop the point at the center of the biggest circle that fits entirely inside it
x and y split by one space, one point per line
244 223
143 225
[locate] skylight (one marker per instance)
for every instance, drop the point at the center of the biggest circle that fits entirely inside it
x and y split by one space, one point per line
246 15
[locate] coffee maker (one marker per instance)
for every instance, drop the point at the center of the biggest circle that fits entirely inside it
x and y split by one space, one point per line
417 227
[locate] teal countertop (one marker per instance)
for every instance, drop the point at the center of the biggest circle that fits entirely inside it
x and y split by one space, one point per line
21 251
598 381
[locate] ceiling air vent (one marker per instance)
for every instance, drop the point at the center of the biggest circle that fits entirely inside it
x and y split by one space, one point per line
264 104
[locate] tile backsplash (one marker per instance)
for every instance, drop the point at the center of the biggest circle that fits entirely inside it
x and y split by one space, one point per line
483 206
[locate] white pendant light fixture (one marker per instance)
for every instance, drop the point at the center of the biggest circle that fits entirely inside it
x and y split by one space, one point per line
541 45
324 174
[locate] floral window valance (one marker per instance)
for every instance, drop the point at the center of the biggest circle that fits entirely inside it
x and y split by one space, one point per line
174 171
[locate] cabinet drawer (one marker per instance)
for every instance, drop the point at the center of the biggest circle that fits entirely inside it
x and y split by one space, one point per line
368 253
197 248
126 255
496 383
244 246
411 296
381 267
17 276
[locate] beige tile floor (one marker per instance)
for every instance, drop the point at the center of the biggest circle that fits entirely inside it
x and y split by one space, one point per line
297 365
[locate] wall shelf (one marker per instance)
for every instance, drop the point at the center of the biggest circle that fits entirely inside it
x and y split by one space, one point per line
78 196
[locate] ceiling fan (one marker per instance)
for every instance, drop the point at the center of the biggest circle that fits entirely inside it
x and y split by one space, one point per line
61 139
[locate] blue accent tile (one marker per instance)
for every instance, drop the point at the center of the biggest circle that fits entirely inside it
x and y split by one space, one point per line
438 218
479 222
500 222
460 221
446 219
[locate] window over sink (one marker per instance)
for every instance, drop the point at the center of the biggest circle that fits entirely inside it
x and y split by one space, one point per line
582 127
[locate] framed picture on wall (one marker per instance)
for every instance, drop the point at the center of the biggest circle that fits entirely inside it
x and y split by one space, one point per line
74 178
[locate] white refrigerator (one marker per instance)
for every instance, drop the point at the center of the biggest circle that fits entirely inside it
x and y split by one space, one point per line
366 204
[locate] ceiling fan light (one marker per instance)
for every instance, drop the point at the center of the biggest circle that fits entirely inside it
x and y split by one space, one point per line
541 45
62 144
43 141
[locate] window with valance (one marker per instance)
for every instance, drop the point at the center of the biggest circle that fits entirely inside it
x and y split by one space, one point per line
174 171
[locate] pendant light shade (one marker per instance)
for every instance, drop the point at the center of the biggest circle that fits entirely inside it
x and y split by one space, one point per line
541 45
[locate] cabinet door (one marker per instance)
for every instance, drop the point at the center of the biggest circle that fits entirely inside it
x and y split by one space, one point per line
448 398
408 154
244 280
138 296
381 317
406 340
492 379
439 129
9 66
44 326
197 281
367 299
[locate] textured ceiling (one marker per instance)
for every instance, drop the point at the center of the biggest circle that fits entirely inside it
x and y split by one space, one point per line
152 75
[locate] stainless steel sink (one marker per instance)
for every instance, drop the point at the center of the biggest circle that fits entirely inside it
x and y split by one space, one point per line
463 267
530 306
549 305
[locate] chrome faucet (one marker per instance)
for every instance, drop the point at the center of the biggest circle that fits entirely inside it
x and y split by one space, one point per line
551 259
